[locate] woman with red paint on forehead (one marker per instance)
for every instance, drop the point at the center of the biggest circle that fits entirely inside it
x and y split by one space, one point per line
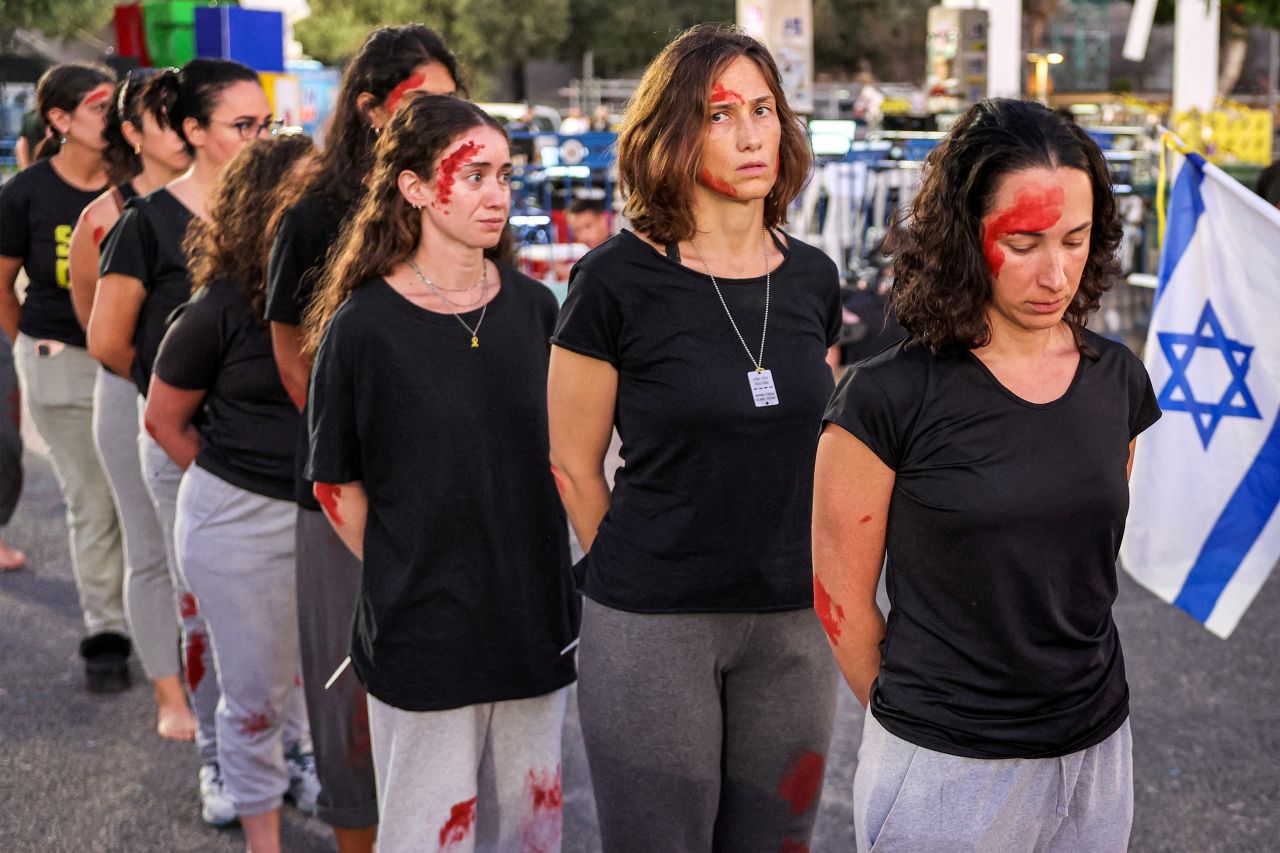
38 209
986 456
428 451
392 64
707 693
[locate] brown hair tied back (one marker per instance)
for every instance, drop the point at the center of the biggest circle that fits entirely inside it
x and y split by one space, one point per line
942 283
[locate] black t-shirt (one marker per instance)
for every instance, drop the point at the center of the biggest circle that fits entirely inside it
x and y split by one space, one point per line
1003 530
711 509
466 594
306 233
38 212
248 425
146 244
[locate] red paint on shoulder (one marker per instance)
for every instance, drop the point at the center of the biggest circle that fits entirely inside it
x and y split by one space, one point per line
94 97
720 186
327 494
195 659
98 233
721 95
864 519
413 81
802 781
791 846
255 724
830 614
1034 209
542 829
187 606
461 818
449 169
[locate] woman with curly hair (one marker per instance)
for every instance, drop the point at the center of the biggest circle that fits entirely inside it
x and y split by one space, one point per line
984 460
220 412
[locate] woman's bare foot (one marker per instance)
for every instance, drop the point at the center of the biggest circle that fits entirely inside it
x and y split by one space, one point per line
174 720
11 559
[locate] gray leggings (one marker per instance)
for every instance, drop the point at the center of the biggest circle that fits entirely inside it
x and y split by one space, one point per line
705 731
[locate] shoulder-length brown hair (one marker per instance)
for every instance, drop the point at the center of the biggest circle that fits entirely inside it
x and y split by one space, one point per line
942 281
660 144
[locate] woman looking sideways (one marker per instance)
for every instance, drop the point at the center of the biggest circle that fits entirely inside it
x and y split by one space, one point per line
428 451
216 107
986 456
141 156
393 64
234 531
38 209
705 333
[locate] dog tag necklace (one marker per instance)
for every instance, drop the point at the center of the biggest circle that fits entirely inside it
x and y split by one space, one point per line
763 392
453 306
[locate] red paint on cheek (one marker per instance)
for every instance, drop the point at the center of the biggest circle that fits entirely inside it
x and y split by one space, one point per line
328 495
94 97
195 660
448 171
461 818
413 81
255 724
720 186
721 95
802 781
187 606
98 233
790 846
830 614
1034 209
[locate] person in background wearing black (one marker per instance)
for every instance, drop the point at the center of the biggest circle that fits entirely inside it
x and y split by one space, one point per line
38 209
141 156
393 64
217 107
707 693
234 531
428 453
987 456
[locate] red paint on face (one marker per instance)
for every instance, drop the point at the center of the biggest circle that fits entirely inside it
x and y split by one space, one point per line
413 81
1034 209
542 827
461 818
328 494
790 846
359 747
255 724
94 97
195 660
721 95
802 781
720 186
449 169
98 233
830 614
187 606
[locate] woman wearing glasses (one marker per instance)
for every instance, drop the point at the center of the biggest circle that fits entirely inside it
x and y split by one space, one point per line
217 107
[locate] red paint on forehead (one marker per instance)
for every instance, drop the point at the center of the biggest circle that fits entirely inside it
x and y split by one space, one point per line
94 97
413 81
449 169
461 817
1035 208
195 660
328 496
721 186
802 781
830 614
721 95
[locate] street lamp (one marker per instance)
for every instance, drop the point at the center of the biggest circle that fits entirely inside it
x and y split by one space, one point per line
1042 62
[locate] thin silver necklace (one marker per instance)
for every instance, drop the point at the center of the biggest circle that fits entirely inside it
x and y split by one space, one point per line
484 275
757 361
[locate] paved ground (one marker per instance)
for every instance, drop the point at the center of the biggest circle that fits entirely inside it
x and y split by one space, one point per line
85 773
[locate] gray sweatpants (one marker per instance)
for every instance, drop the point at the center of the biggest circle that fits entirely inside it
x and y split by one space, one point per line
149 601
481 777
908 799
236 554
163 476
705 731
59 392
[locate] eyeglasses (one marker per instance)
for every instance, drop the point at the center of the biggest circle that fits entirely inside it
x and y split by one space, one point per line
250 129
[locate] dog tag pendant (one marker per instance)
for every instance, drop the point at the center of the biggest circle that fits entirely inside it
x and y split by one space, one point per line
762 390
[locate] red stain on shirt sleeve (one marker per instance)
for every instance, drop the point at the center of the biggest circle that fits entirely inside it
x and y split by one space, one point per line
830 614
1034 209
255 724
802 781
721 95
792 846
327 494
98 233
719 185
461 818
187 606
542 828
413 81
448 170
195 659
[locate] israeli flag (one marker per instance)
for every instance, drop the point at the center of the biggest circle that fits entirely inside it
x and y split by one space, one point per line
1203 532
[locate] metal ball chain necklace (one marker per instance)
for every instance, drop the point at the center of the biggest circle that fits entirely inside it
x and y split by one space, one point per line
454 306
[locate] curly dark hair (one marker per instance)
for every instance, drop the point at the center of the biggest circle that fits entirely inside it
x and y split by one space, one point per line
244 209
942 281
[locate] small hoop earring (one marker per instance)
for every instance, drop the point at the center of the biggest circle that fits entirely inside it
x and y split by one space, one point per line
137 150
62 141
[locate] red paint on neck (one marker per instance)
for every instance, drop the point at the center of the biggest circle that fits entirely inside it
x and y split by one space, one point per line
830 614
94 97
255 724
461 818
721 95
802 781
195 660
328 495
98 233
448 171
1034 209
721 186
413 81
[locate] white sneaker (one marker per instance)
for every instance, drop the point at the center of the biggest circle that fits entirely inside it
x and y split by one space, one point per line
215 806
304 785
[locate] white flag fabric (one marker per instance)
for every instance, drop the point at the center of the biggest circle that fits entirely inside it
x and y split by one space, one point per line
1203 532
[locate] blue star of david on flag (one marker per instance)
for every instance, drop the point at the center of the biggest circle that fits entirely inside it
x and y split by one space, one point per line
1177 394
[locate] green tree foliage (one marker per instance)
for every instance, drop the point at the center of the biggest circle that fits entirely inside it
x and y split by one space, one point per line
624 35
52 17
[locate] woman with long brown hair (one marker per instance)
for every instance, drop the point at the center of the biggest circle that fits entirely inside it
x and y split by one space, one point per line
706 693
428 452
